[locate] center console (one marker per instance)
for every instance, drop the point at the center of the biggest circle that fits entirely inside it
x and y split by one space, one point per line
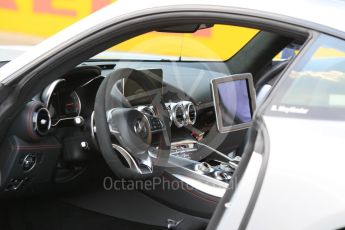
234 102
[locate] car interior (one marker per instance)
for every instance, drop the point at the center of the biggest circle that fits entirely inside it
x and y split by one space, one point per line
130 139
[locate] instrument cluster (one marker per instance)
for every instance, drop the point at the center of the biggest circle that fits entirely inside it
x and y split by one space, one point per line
62 103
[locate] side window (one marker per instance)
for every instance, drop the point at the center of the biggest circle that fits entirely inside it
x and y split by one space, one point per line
316 87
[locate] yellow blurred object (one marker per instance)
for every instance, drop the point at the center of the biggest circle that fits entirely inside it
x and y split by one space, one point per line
43 18
324 52
217 43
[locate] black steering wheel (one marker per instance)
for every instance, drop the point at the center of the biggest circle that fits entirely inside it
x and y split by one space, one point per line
124 134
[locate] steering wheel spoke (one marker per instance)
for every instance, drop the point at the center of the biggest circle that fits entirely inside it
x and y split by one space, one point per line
142 164
156 125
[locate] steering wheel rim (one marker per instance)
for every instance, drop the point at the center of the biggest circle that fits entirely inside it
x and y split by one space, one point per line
114 117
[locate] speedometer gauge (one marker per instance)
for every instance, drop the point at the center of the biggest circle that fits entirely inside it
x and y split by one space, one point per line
64 106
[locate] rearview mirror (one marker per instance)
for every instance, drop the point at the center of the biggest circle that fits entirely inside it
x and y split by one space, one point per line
190 28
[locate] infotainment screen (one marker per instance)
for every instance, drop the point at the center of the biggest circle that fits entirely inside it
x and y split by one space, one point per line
234 101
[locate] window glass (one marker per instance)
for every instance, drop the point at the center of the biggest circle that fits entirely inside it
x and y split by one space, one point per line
316 87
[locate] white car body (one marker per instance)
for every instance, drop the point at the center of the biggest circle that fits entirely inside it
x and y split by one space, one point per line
303 184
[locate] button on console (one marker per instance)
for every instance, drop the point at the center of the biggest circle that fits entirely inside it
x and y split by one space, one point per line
29 162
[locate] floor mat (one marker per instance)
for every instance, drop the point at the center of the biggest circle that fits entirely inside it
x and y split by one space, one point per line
53 215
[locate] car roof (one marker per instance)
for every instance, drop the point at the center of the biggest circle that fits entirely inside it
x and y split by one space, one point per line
10 52
329 13
308 13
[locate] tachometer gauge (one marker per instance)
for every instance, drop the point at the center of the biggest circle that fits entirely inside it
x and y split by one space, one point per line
72 105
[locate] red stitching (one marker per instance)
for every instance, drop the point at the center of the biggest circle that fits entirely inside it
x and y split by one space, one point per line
195 193
30 122
33 147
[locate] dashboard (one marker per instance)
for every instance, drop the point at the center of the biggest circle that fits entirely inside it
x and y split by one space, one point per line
65 103
54 133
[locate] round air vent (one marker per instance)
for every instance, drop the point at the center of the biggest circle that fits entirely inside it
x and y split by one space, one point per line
42 121
179 115
190 111
147 110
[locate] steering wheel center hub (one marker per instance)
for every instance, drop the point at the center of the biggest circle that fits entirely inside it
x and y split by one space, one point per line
141 127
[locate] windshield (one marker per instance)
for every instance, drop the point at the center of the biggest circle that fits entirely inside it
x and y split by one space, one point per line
218 43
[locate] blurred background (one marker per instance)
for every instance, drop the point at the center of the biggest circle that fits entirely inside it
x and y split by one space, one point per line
28 22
